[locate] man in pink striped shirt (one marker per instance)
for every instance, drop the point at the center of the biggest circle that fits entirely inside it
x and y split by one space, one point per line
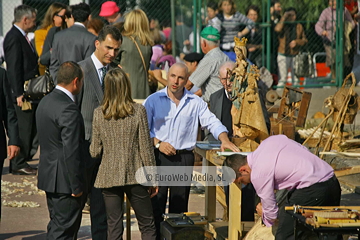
281 163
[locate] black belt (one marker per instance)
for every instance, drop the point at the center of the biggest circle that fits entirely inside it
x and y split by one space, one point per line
181 151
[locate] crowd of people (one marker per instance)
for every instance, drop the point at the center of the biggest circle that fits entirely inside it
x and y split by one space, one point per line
92 134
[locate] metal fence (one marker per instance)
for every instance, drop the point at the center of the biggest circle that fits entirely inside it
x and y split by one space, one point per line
186 16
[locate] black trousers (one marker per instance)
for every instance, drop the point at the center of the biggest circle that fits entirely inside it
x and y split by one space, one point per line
179 195
140 201
326 193
65 216
97 205
27 134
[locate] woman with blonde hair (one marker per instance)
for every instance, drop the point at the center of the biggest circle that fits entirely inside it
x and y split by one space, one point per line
121 138
54 17
135 52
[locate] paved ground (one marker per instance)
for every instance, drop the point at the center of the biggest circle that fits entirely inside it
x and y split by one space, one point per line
30 222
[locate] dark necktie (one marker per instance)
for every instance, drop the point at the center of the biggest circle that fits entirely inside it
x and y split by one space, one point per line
27 39
103 70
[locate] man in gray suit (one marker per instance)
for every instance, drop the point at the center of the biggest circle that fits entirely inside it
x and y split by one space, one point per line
95 67
74 43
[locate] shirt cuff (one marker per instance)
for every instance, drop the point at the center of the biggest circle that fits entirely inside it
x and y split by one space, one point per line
218 131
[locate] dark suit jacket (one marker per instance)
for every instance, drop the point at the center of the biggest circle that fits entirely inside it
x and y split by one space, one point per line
217 105
61 166
7 117
72 44
21 60
91 94
46 55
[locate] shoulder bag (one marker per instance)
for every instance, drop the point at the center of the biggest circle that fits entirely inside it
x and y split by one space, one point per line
39 86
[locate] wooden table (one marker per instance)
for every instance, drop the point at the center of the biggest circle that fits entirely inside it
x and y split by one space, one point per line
235 227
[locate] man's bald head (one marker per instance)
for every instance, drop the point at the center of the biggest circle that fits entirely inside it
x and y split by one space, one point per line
181 66
223 74
177 78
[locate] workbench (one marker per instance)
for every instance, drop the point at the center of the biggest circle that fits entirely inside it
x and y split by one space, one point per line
235 226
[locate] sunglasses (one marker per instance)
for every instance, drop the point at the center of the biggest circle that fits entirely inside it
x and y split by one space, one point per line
58 15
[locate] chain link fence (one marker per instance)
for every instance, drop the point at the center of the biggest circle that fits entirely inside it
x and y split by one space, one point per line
265 42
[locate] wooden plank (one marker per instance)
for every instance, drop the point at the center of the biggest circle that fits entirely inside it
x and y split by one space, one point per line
235 228
200 151
210 199
347 171
218 229
291 208
347 154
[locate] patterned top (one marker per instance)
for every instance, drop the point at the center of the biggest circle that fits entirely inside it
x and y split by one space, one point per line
231 26
125 147
206 75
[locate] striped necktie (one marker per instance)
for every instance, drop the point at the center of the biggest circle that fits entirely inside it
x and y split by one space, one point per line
103 71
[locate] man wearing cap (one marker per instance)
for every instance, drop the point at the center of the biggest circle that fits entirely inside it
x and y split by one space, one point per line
110 11
206 75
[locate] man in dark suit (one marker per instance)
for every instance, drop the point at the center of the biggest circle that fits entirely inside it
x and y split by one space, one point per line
8 122
75 43
220 104
91 96
21 61
61 166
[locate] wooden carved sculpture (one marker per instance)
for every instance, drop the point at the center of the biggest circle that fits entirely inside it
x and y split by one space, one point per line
247 115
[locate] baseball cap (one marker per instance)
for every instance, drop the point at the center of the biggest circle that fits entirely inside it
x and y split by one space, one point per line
193 57
108 8
210 33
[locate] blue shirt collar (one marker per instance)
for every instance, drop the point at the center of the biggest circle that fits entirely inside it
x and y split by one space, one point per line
187 94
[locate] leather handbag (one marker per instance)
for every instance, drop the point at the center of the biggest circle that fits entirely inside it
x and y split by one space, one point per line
39 86
303 65
153 84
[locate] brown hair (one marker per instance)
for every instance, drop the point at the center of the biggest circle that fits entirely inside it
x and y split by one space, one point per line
96 24
231 2
137 25
53 9
117 102
155 35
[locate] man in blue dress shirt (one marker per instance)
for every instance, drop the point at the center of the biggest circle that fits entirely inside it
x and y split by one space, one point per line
174 115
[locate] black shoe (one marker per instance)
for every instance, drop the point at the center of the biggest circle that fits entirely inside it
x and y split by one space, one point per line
25 171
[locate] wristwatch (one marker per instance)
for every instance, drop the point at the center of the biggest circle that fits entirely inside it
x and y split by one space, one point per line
157 145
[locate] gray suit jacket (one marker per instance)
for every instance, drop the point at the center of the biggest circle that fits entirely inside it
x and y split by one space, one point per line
91 95
72 44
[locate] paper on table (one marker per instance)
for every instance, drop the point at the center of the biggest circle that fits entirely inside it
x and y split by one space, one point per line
208 145
231 153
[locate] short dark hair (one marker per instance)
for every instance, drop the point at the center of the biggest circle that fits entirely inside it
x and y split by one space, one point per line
68 12
235 161
213 6
290 9
113 31
80 12
68 71
23 11
254 8
273 2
